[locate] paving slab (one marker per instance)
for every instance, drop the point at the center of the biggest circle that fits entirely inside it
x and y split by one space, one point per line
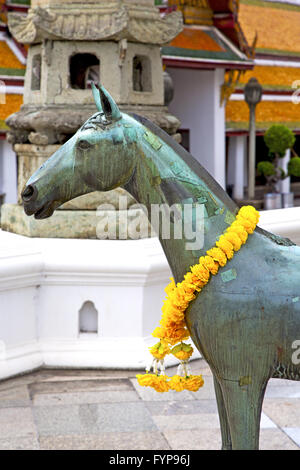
189 407
93 419
275 439
66 386
107 441
196 439
200 421
20 443
15 397
285 412
16 422
294 434
108 410
81 398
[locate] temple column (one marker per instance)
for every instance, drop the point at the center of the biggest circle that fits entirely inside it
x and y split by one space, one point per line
285 185
199 110
236 165
8 173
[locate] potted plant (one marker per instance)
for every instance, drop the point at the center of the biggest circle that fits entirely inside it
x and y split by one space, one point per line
278 138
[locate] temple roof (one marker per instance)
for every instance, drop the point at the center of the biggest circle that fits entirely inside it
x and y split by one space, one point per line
12 64
274 78
202 47
277 26
267 113
13 102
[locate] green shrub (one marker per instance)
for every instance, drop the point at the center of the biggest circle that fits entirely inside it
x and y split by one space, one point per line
279 138
266 169
294 166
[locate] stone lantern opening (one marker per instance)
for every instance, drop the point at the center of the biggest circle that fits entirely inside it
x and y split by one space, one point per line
84 68
36 72
142 79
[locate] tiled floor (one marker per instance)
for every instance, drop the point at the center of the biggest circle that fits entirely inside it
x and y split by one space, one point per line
69 409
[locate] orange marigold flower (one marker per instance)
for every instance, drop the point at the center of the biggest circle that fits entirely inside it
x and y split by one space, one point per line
146 380
158 332
170 287
237 228
194 382
218 255
209 263
175 335
182 351
160 350
250 213
158 382
234 239
201 273
177 383
247 224
225 246
168 322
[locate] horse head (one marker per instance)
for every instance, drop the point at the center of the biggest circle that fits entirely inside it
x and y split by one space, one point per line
101 156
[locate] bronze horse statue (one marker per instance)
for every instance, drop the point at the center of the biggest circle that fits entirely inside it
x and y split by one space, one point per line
244 325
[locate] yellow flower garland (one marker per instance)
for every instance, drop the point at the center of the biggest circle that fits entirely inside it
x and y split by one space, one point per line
173 328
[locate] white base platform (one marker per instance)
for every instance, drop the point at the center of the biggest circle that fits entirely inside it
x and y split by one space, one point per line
45 283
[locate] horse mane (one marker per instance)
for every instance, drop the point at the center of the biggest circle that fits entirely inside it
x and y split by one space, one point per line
199 170
191 161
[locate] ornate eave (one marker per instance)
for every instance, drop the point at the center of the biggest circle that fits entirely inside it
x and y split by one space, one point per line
94 22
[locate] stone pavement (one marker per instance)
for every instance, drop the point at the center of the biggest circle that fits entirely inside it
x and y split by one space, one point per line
105 409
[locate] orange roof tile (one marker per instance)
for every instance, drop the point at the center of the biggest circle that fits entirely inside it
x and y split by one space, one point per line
272 78
277 25
8 58
12 105
196 39
237 112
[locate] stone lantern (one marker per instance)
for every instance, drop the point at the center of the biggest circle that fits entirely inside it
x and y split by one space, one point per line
71 43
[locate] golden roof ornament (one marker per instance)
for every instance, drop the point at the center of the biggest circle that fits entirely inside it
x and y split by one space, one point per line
195 12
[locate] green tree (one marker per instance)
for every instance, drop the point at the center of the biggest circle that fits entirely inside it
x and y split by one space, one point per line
278 138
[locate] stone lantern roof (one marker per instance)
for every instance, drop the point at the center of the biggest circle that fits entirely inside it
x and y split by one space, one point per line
136 21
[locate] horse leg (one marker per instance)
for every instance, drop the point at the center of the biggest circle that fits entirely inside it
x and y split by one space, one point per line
225 431
243 405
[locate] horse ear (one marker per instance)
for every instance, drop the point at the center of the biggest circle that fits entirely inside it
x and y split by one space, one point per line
109 106
105 103
96 95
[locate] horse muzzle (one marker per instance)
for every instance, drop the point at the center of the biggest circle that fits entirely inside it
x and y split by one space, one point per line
29 196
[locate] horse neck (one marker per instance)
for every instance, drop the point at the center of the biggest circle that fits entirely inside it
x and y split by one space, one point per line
163 176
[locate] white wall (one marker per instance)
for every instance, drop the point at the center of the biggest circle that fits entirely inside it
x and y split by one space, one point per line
197 104
45 282
8 172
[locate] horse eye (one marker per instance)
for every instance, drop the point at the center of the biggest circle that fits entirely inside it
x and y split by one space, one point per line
84 145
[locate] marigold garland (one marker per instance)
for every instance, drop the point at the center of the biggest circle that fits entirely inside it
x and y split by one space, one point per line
172 329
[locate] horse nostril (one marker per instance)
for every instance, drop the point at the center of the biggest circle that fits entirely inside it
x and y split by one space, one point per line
28 193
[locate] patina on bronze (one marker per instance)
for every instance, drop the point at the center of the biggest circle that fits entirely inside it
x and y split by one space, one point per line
244 324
